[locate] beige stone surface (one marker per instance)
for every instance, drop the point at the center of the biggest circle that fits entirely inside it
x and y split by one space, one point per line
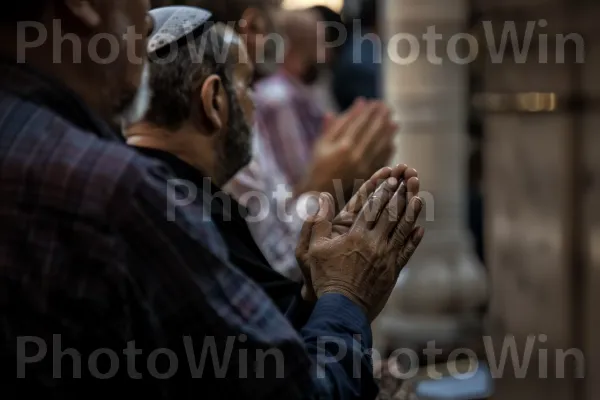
528 210
539 213
530 231
591 251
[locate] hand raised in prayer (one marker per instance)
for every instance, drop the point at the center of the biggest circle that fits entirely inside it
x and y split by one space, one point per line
345 219
363 263
409 182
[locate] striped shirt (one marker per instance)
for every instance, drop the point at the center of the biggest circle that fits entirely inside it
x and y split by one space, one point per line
292 118
274 218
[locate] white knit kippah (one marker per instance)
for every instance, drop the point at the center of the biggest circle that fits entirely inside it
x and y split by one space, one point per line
171 24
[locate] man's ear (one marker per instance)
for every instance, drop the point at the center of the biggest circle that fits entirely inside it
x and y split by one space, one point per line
85 11
210 105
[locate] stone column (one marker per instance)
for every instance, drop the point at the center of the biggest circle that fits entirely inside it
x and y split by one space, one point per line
426 82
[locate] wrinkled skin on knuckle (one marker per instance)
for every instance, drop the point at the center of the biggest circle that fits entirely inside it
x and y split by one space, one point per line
399 235
367 242
403 260
381 255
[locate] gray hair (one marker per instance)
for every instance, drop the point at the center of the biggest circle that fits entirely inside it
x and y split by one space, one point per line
172 78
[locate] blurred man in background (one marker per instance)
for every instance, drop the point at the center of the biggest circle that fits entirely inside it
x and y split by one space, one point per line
357 70
286 104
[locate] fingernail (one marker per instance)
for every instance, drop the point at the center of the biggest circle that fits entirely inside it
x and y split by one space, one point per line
393 182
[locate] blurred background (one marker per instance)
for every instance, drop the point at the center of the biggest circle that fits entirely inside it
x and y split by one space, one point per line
499 106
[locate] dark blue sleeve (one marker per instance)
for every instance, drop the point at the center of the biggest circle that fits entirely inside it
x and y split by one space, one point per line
338 338
298 312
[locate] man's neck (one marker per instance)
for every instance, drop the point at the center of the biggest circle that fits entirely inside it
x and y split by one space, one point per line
181 143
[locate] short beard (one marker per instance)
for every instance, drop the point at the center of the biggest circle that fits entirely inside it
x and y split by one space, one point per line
235 149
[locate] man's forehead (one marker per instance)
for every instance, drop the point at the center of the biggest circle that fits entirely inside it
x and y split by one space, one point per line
174 23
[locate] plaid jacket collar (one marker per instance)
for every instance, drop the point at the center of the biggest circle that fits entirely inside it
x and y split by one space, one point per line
28 84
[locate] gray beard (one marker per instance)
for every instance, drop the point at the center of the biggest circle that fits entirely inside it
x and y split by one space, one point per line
235 149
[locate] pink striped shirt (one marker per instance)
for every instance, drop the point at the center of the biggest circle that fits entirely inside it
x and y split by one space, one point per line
291 117
275 217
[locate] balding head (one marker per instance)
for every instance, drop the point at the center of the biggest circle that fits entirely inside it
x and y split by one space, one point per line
305 43
302 30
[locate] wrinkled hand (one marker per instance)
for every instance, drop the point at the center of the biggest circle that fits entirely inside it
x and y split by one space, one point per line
344 220
363 263
408 177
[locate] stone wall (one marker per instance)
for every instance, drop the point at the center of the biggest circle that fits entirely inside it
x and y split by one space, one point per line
541 159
